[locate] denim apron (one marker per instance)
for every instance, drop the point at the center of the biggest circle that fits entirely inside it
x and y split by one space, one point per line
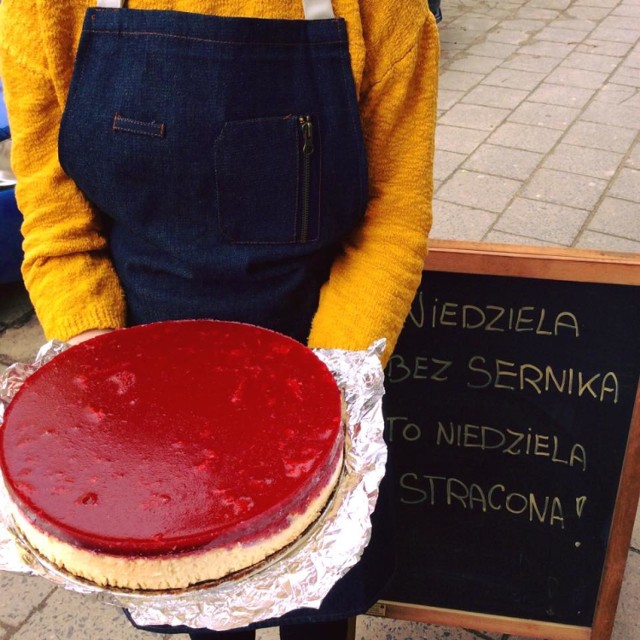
227 158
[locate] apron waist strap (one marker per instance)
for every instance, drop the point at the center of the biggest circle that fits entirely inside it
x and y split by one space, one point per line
313 9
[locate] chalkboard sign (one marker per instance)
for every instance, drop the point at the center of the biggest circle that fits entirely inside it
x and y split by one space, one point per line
509 415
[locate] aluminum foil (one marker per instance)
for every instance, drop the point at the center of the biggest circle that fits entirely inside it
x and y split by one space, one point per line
303 574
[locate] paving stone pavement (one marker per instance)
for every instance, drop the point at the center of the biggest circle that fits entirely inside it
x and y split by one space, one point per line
537 144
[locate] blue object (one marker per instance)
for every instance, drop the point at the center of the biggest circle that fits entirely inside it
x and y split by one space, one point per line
4 120
10 218
10 237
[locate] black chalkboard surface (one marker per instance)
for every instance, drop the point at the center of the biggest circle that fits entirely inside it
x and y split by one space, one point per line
508 416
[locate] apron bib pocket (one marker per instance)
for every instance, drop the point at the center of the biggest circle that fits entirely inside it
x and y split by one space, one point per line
267 178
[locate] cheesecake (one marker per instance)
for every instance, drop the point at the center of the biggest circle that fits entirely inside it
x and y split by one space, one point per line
172 454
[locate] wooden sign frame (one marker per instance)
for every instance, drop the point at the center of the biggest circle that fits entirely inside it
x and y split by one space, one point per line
563 265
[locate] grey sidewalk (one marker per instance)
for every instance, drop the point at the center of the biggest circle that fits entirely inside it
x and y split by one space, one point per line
537 143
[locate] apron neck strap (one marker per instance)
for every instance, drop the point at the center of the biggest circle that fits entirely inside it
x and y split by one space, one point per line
317 9
313 9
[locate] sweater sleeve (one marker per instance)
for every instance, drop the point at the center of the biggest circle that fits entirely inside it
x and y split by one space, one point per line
66 268
374 280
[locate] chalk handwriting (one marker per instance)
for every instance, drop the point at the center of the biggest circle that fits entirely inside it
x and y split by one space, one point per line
419 368
503 374
493 317
427 490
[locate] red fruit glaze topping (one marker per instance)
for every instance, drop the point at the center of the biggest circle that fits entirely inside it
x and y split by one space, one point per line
172 437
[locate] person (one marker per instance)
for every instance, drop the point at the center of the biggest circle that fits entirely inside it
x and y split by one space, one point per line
227 159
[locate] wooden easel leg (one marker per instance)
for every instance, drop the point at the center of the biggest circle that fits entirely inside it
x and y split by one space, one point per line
351 629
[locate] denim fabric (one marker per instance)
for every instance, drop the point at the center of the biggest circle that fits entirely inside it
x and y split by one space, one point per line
191 134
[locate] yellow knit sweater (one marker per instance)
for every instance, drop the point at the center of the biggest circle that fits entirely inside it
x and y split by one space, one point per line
394 55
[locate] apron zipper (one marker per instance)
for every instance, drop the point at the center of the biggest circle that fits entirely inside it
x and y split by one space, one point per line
307 150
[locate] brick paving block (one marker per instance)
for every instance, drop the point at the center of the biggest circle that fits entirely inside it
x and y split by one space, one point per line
514 79
616 94
479 191
537 13
457 34
577 77
544 115
539 64
21 344
526 26
606 242
587 13
591 62
568 189
501 12
626 76
633 102
560 95
627 624
635 536
372 628
560 35
450 50
493 49
545 221
474 116
488 96
526 137
584 161
633 59
75 616
628 11
597 3
573 24
445 163
548 49
500 161
626 185
475 64
617 22
500 237
603 47
507 36
633 159
458 139
459 80
615 35
19 595
617 114
448 97
560 5
617 218
475 23
458 222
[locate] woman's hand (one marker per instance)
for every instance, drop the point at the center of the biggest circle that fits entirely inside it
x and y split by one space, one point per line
87 335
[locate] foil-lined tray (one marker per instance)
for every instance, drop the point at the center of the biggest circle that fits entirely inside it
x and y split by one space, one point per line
300 575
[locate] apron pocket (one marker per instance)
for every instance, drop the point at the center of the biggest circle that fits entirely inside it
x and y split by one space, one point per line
267 174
